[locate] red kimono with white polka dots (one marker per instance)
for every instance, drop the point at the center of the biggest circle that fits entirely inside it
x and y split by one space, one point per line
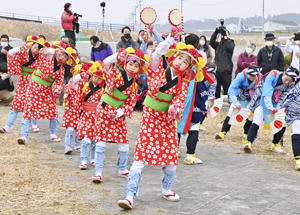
72 102
107 129
40 101
157 142
14 67
90 97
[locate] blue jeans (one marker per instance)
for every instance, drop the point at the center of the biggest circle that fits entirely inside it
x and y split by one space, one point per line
70 133
25 127
84 153
12 116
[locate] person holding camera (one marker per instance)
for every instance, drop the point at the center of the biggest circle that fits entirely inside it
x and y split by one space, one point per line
6 85
270 57
126 40
67 21
294 50
224 47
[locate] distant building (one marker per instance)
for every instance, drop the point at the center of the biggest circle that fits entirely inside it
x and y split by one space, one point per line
255 29
281 26
232 28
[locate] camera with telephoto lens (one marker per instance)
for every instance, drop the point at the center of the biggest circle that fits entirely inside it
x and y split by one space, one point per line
222 29
77 15
102 4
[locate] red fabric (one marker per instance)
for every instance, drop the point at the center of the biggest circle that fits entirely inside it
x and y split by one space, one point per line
157 142
72 106
244 62
40 103
14 64
66 21
107 129
86 127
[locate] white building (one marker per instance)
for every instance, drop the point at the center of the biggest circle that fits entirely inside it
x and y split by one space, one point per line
281 26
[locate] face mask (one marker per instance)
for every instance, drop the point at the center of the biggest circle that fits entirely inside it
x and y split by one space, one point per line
141 38
4 44
269 43
297 42
248 50
202 42
127 36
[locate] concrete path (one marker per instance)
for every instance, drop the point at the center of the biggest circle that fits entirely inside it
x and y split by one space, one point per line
228 183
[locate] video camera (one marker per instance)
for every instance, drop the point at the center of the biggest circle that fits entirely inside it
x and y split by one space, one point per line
102 4
77 15
221 29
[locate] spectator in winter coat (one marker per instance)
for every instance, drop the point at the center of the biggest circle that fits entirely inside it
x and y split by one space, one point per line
294 50
205 48
246 59
126 39
4 47
67 19
100 50
6 85
223 59
270 57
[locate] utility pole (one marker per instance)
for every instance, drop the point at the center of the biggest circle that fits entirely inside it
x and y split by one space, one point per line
140 9
263 18
181 5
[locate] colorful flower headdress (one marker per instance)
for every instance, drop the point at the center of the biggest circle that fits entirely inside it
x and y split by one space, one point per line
96 69
74 60
38 40
196 60
137 54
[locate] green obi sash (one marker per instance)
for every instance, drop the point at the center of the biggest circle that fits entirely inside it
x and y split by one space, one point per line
161 103
117 99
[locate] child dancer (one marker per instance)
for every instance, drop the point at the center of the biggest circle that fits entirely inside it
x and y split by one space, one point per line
90 93
23 61
196 106
44 88
276 87
292 104
157 143
240 93
72 107
117 103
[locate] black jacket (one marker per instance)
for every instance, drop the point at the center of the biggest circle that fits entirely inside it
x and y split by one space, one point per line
5 85
223 53
3 57
270 59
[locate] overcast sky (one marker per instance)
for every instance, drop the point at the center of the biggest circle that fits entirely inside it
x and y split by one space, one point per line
118 11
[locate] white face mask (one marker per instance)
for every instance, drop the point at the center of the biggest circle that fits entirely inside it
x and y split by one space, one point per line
297 42
269 43
4 44
249 50
202 42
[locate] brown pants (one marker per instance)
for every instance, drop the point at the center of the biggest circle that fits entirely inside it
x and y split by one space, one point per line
6 97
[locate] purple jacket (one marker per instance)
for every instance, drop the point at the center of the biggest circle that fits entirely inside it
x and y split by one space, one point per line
101 52
244 62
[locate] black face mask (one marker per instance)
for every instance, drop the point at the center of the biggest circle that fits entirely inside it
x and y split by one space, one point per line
127 36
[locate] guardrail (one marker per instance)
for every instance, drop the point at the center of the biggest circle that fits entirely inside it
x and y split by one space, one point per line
57 21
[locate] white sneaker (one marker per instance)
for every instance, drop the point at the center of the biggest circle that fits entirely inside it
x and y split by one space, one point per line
22 140
125 204
4 129
123 173
276 148
35 129
68 151
83 166
54 138
171 196
97 179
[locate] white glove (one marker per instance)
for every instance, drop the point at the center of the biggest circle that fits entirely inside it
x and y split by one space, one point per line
120 113
14 51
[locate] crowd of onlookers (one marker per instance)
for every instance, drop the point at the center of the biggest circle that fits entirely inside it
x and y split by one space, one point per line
269 57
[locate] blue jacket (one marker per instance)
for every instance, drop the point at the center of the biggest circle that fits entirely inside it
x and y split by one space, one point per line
268 88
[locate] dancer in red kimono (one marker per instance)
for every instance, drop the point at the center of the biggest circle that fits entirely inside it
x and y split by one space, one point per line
73 107
45 86
90 97
117 103
23 61
157 143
